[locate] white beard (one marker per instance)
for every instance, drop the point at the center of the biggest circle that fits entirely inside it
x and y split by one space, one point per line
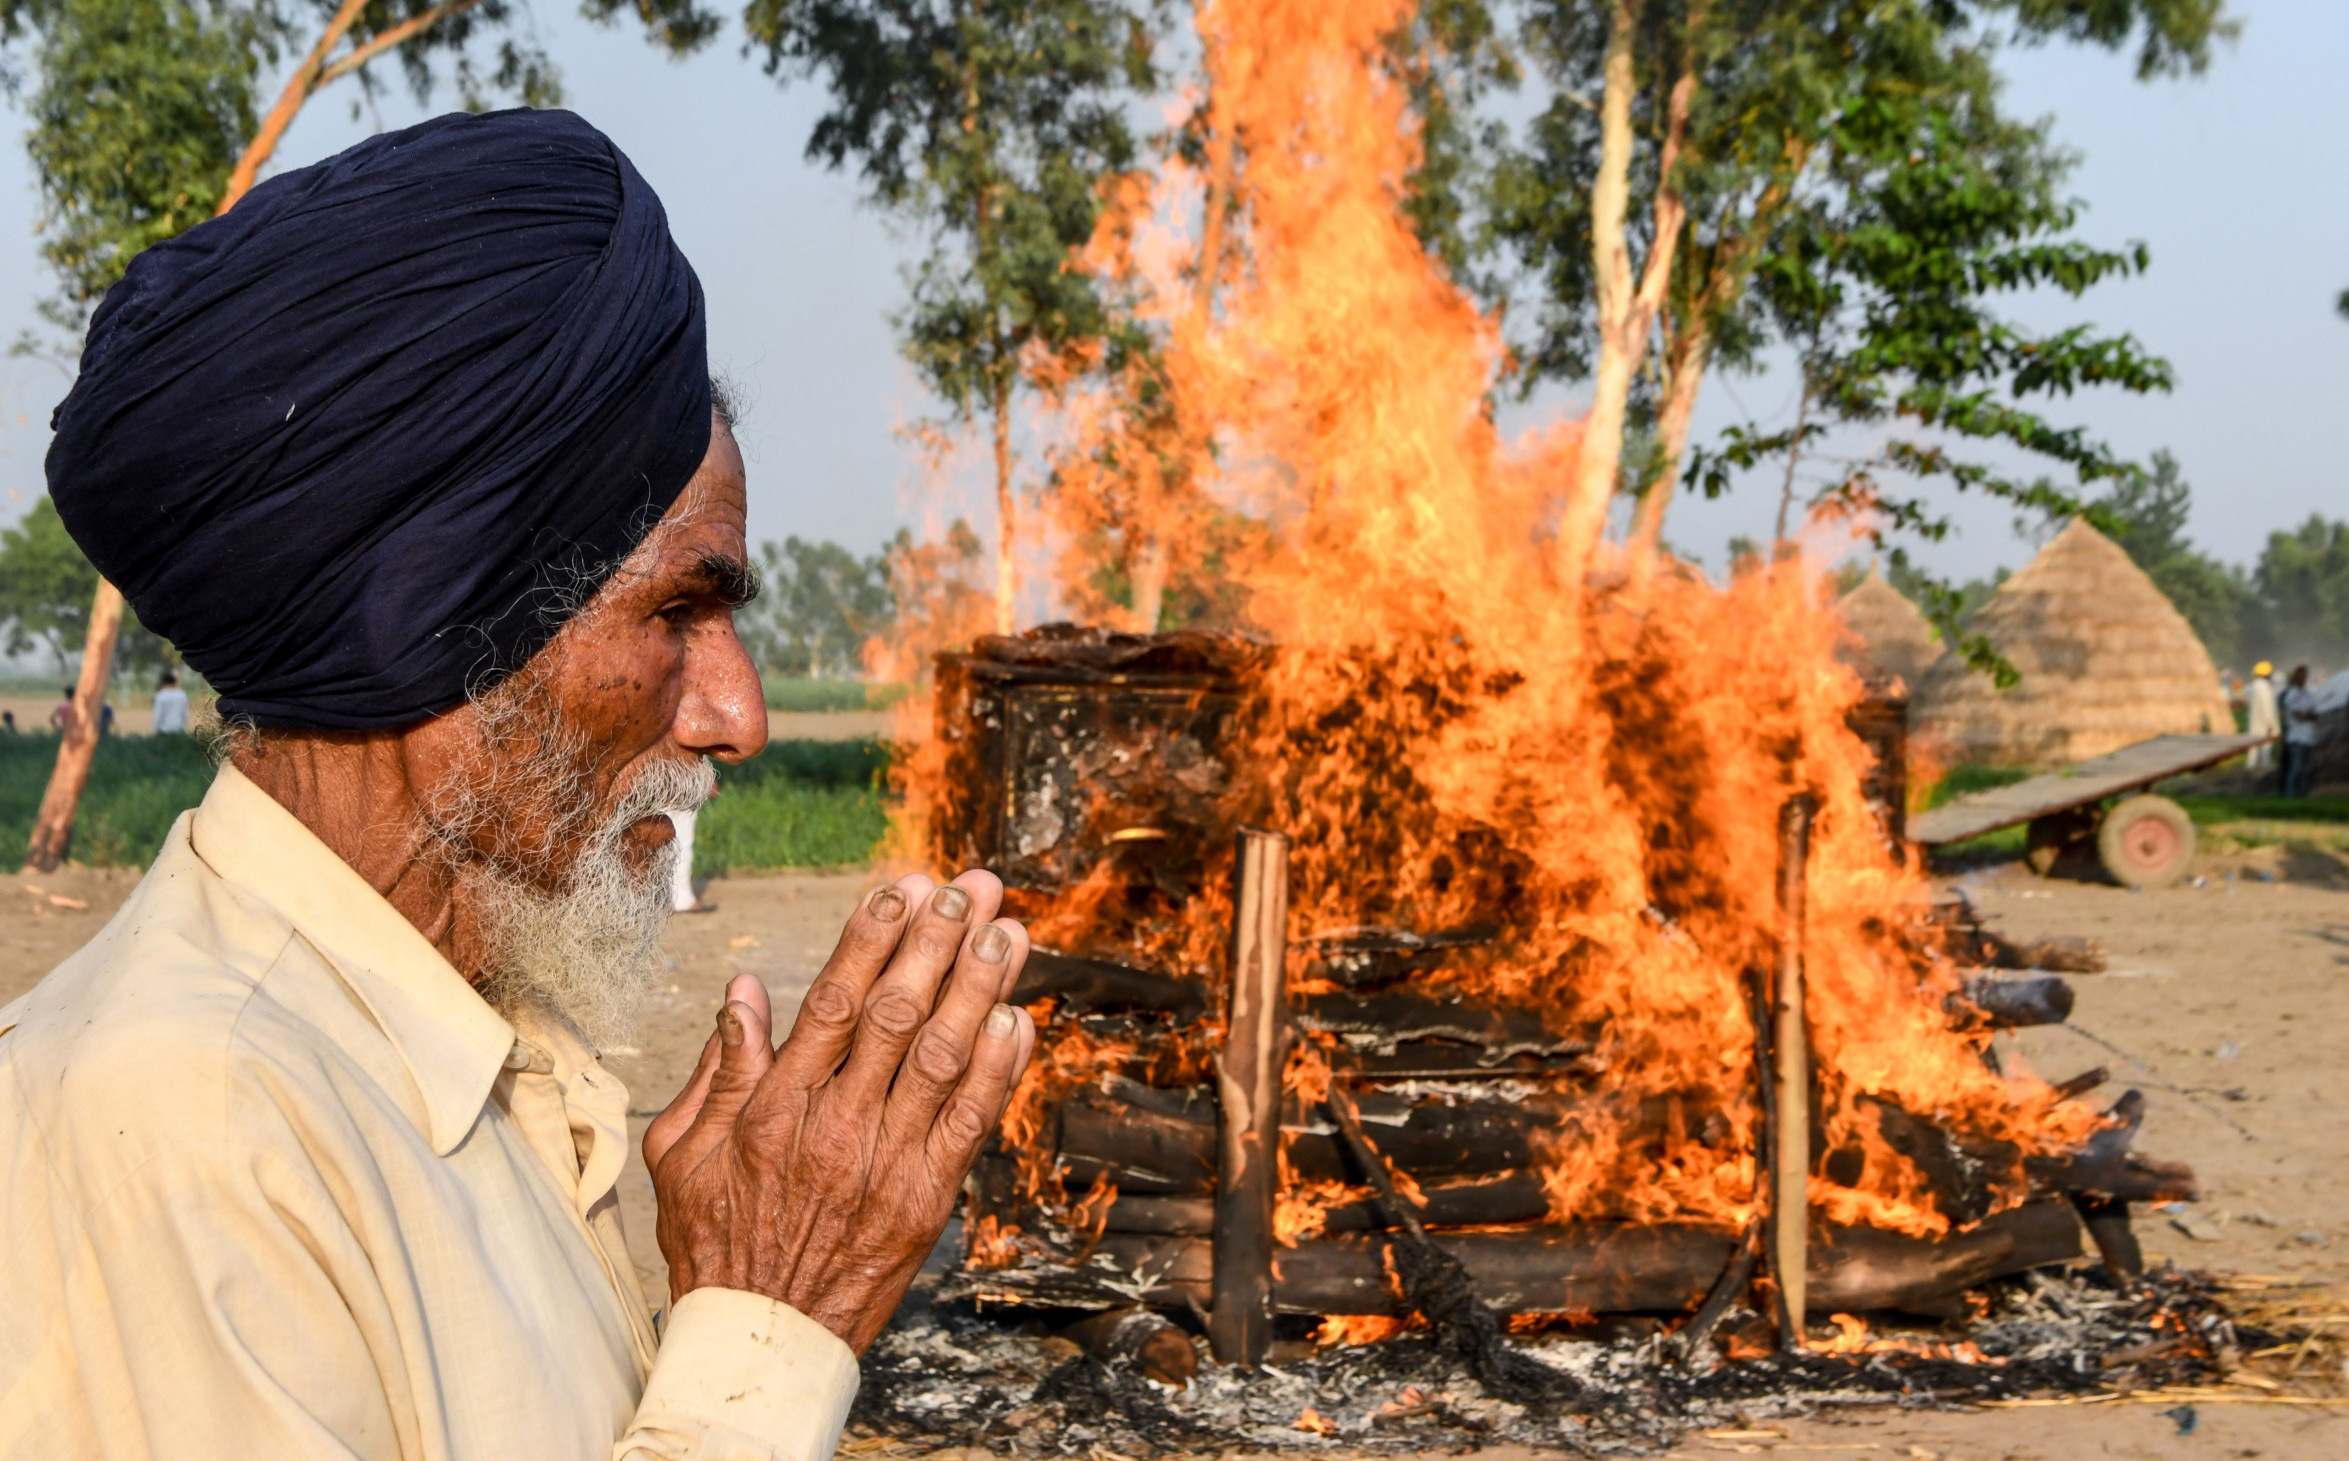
588 948
592 948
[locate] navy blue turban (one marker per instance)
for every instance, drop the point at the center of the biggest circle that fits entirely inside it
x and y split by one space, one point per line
361 446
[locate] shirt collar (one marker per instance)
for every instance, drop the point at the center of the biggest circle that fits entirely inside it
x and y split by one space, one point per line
451 1041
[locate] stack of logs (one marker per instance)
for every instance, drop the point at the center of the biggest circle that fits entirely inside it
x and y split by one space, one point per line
1458 1098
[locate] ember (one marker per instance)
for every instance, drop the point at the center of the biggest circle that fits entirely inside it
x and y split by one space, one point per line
1493 926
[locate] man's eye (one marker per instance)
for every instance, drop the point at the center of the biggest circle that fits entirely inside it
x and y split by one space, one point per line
677 613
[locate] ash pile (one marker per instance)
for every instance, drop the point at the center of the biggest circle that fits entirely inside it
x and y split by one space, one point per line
1038 1382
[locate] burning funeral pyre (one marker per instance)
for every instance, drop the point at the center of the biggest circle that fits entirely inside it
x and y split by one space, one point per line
1495 930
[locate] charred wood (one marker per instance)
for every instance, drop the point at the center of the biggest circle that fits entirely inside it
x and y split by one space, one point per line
1443 1060
2081 1084
2006 1004
1381 1021
1513 1197
1136 1150
2107 1222
1145 1340
1098 985
1367 958
1436 1283
1854 1269
1589 1268
1151 1152
2106 1167
1726 1291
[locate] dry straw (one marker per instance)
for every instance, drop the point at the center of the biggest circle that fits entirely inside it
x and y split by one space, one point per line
1890 638
2106 661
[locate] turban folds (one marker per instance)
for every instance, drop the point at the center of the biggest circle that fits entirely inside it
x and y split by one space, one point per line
363 444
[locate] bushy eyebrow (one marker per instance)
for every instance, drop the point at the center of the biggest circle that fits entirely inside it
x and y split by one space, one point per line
723 577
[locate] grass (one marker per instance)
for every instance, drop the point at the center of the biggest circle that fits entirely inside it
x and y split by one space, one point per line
797 693
138 784
797 804
2238 813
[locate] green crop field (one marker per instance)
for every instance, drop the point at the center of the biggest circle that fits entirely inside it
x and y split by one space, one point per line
797 804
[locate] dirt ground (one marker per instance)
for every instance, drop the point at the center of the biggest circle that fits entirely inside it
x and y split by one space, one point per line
2227 1004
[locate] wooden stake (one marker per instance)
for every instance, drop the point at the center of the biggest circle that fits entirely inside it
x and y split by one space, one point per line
1790 1116
1248 1085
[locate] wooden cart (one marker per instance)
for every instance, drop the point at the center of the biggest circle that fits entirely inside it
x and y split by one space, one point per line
2143 840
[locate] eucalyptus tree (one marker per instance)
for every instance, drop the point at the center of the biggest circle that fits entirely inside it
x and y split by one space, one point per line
989 128
1677 140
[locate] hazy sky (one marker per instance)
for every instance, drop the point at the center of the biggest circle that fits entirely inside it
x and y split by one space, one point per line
2236 181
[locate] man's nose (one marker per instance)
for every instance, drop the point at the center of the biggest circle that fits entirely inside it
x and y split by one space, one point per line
723 710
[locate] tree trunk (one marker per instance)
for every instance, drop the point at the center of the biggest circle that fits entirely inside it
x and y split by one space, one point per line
1006 547
1685 372
53 829
1149 579
1626 308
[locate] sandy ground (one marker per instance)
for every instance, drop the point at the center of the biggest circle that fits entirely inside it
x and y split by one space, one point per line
2228 1004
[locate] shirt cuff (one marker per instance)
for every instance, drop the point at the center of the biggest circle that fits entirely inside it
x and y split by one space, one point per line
742 1377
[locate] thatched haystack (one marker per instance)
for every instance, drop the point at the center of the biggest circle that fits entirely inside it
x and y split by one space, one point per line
2106 661
1890 638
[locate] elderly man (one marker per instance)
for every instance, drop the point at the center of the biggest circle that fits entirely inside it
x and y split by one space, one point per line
308 1154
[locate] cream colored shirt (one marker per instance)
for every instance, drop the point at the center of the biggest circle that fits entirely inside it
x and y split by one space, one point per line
276 1183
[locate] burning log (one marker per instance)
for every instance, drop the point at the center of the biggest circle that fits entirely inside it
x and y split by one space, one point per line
2106 1167
1149 1149
1097 984
1248 1087
1389 1019
1367 958
2081 1084
1867 1268
1440 1061
1575 1268
1790 1083
2006 1004
1511 1198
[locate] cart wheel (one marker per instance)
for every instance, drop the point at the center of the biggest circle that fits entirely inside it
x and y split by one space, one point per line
2146 842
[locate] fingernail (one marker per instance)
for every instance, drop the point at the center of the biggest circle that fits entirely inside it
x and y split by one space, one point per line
888 905
1000 1022
729 1027
990 945
952 903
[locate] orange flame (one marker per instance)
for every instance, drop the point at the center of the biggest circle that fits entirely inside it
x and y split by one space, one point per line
1448 728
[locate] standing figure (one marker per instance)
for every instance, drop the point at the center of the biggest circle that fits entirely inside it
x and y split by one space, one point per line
2298 707
2260 719
171 707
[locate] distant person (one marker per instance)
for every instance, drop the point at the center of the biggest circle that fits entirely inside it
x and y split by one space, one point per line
7 722
105 717
171 707
682 898
2260 713
62 718
2298 707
